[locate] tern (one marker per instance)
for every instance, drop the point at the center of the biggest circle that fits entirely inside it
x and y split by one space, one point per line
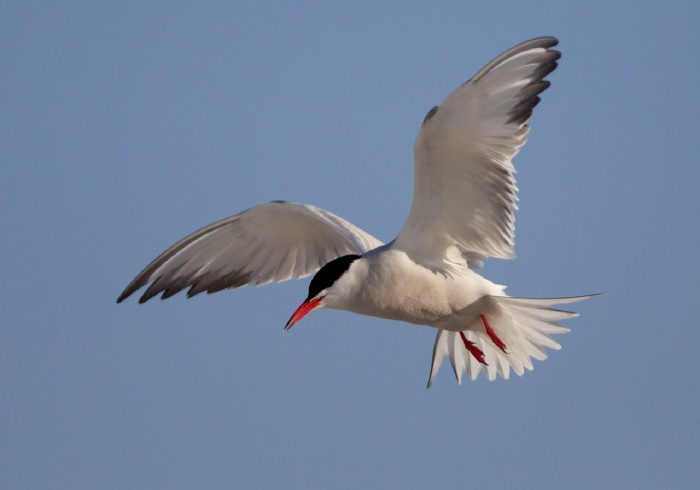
462 213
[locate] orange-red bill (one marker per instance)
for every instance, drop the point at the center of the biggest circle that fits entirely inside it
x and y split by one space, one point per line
301 312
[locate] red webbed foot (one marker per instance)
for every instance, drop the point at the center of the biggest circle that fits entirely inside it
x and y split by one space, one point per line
473 349
499 343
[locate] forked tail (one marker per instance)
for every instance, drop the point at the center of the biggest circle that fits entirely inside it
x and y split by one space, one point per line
524 325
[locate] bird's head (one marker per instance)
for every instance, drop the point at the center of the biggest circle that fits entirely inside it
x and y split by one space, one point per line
321 288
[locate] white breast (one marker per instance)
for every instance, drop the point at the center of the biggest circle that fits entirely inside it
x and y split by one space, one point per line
386 283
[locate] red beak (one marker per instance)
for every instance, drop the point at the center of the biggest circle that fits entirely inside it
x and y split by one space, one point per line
301 312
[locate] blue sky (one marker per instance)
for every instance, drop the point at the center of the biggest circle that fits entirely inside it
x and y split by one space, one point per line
126 126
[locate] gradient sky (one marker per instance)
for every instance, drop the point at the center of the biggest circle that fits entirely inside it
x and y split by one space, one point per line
126 125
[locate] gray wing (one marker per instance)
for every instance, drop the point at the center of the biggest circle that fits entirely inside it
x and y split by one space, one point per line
271 242
464 189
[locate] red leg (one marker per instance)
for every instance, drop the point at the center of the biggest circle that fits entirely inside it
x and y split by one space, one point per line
475 351
499 343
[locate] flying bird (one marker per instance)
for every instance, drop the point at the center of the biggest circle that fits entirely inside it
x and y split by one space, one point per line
462 213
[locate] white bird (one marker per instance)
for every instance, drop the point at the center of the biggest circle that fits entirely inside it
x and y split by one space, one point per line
462 213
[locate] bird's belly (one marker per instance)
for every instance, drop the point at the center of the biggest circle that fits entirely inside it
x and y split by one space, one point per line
421 296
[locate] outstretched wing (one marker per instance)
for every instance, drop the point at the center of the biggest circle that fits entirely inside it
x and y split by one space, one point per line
464 191
270 242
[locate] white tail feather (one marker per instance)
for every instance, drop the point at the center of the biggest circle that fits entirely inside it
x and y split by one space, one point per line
524 325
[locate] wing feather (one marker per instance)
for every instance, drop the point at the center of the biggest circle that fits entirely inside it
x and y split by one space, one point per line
267 243
465 190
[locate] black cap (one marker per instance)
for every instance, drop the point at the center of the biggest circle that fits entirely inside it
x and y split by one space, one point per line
330 273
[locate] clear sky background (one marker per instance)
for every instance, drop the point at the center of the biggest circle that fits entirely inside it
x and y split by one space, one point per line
124 126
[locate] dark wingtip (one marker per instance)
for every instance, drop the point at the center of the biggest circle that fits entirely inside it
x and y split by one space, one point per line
544 41
125 294
550 55
134 286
